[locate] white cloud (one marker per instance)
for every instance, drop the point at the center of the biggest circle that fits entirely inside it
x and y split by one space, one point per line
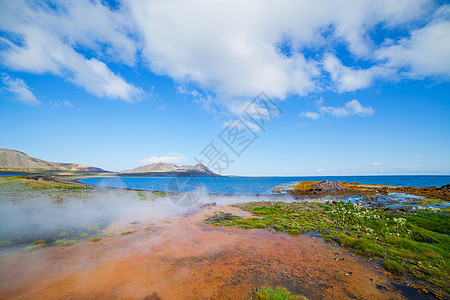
66 103
347 79
311 115
231 48
172 158
198 41
376 164
20 89
350 108
426 52
418 156
205 101
227 50
43 39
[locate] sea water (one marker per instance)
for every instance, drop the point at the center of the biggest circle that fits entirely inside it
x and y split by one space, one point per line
251 185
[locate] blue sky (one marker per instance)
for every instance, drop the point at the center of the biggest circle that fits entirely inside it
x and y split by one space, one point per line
363 87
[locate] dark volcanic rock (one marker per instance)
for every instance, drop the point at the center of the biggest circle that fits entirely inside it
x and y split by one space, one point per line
445 187
327 186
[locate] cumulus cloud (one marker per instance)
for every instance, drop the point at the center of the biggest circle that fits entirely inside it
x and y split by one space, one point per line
266 45
20 89
228 50
426 52
45 39
350 108
172 158
196 41
346 79
376 164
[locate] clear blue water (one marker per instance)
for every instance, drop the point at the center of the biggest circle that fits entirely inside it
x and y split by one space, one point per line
250 185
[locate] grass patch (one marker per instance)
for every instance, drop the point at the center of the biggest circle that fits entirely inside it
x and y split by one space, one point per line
267 293
393 266
5 243
430 221
362 246
38 184
64 242
142 195
83 235
159 194
36 245
39 242
96 239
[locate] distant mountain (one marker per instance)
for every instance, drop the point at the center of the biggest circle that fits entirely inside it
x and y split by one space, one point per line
164 169
16 160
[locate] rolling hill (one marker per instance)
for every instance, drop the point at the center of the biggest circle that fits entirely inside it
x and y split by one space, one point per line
165 169
13 160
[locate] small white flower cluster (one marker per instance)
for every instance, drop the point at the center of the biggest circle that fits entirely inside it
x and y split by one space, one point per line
391 233
431 209
400 221
369 231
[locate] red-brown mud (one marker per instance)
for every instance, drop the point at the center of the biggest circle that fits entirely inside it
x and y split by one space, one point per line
184 259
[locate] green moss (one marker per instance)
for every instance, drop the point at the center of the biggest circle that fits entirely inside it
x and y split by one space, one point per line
96 239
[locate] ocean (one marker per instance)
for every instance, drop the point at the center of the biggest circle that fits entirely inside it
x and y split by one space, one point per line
251 185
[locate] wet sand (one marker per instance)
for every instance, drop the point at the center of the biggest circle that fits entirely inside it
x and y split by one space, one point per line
181 258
